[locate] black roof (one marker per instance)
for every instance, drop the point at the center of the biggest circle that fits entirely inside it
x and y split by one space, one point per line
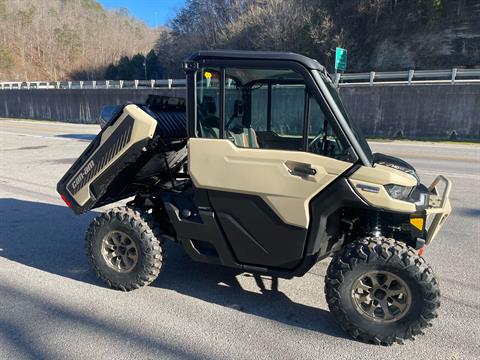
257 55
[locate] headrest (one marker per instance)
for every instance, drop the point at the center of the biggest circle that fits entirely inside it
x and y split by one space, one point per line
239 112
209 105
238 108
211 121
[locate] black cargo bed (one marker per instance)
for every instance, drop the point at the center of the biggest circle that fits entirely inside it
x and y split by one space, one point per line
142 144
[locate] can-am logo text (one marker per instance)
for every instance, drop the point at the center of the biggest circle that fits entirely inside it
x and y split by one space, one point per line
82 174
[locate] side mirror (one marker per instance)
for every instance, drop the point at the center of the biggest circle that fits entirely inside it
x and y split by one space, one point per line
107 113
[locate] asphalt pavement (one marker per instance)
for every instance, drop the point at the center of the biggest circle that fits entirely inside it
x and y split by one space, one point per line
53 307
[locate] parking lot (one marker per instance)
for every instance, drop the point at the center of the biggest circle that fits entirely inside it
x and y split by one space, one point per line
52 306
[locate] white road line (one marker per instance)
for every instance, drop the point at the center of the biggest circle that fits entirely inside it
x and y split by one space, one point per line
453 175
474 146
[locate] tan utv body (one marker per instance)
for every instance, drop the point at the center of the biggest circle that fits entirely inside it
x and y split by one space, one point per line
262 169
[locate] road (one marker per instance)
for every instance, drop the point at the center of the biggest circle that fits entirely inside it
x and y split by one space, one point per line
53 307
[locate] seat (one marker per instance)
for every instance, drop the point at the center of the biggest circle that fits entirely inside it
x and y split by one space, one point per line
244 137
239 128
208 122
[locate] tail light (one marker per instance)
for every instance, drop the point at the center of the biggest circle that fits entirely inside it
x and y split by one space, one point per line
69 204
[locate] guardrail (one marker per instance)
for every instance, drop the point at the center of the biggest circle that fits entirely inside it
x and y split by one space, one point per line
93 84
408 77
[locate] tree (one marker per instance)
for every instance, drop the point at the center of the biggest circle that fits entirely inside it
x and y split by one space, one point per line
379 34
111 73
124 69
3 9
137 64
154 70
6 59
136 68
60 39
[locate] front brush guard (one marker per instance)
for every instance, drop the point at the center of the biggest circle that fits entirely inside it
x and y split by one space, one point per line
439 206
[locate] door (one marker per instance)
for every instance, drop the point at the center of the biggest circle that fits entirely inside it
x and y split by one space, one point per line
264 148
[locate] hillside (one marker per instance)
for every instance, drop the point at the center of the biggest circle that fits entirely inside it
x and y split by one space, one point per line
418 34
380 35
78 39
63 39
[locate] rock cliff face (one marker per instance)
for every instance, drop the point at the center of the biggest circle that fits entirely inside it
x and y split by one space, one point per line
408 39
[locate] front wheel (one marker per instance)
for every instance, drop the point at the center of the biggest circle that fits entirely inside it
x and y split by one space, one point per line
381 291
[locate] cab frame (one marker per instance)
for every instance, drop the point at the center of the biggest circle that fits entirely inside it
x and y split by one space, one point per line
309 69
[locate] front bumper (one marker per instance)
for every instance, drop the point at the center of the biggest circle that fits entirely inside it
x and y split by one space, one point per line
438 208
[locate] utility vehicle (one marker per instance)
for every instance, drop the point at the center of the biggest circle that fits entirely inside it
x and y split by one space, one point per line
261 168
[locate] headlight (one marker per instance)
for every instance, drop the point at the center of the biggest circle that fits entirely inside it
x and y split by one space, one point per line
398 192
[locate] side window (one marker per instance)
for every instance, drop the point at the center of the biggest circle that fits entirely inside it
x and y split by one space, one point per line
208 103
288 113
264 108
259 107
322 138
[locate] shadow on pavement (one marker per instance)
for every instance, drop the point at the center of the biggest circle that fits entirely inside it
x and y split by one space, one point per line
27 148
220 285
467 212
85 137
45 236
57 315
50 238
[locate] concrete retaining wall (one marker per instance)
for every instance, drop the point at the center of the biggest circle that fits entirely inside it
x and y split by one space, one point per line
79 106
418 111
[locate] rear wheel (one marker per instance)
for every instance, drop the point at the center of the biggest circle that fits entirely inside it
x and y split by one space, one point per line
125 248
381 291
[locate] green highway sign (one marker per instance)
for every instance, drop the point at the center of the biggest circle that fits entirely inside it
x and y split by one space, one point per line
341 59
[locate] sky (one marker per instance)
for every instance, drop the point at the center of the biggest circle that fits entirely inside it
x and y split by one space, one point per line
153 12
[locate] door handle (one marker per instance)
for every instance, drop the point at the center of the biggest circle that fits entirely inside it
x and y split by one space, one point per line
305 170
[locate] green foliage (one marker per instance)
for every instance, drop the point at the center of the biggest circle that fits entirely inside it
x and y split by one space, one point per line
138 67
3 9
67 39
59 39
137 64
124 69
430 6
154 70
379 34
6 59
92 5
25 17
111 73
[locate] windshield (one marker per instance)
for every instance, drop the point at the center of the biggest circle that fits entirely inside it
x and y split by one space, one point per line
353 126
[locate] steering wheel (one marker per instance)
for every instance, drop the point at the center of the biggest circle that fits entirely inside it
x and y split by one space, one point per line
324 147
315 139
315 145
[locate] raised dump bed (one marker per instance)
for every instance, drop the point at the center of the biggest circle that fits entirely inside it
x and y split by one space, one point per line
141 145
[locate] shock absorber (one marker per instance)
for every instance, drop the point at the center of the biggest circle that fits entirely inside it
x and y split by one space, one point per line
376 225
